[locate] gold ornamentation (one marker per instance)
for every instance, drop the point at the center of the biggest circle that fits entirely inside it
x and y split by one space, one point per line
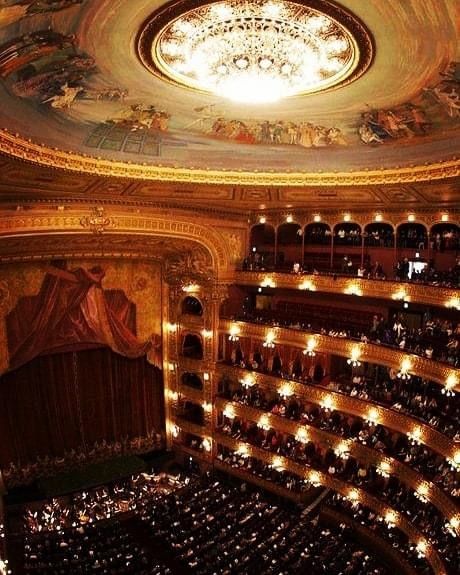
97 222
19 147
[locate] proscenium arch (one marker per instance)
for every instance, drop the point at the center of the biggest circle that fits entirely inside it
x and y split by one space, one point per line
50 231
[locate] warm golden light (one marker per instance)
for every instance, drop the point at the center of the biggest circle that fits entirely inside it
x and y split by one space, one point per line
311 346
384 469
353 289
400 295
347 217
317 218
422 492
256 51
307 285
391 518
355 355
234 333
372 416
454 303
378 217
342 450
411 218
171 366
327 403
353 495
190 288
314 478
229 411
262 220
302 435
171 327
278 463
289 219
269 339
207 333
243 450
206 376
207 444
264 422
445 217
286 390
421 548
207 407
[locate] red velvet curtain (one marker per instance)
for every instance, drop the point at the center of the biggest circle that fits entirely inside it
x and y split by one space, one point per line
68 400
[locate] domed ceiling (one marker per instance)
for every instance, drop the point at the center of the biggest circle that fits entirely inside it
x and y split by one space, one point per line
133 88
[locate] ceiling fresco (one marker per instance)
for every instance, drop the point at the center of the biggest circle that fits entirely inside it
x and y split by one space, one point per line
71 80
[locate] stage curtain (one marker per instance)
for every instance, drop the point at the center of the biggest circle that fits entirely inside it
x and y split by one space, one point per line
69 400
73 309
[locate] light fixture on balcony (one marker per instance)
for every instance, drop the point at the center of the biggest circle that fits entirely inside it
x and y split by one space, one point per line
302 435
264 422
400 295
206 443
269 340
229 411
372 417
327 404
342 450
454 462
256 51
206 333
452 526
309 351
314 478
171 366
242 450
403 372
268 283
205 376
391 518
453 303
191 288
354 359
234 333
207 407
450 385
278 464
353 289
422 492
171 327
262 220
307 285
421 548
175 431
384 469
353 495
247 381
286 390
415 436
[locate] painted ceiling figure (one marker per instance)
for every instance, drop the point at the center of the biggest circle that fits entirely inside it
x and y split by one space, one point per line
72 310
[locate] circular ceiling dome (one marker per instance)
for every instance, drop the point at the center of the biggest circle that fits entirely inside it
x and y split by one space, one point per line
255 51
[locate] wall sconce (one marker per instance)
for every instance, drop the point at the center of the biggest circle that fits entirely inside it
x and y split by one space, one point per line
314 478
353 289
205 376
384 469
277 464
247 382
415 436
269 340
289 219
453 303
378 217
403 373
346 217
262 220
285 390
400 295
455 461
421 548
310 349
372 417
327 404
264 422
229 411
354 359
206 333
206 443
452 525
445 218
243 450
342 450
411 218
422 492
450 385
302 435
391 518
207 407
173 395
234 332
190 288
307 285
317 218
353 495
175 431
171 367
171 327
268 283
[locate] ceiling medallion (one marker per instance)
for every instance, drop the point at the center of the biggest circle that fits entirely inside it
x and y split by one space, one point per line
255 51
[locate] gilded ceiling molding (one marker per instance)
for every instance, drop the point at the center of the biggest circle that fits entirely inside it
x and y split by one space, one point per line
19 147
360 452
359 287
344 489
393 419
378 354
121 234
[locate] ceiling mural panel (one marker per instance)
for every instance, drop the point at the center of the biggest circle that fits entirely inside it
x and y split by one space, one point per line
71 80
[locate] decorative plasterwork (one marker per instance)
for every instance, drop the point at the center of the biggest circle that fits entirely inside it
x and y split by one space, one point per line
131 235
430 295
402 422
19 147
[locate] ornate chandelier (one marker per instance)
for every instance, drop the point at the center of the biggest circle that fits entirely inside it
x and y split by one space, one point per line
254 51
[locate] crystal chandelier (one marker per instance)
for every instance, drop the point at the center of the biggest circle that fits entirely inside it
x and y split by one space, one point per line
255 51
